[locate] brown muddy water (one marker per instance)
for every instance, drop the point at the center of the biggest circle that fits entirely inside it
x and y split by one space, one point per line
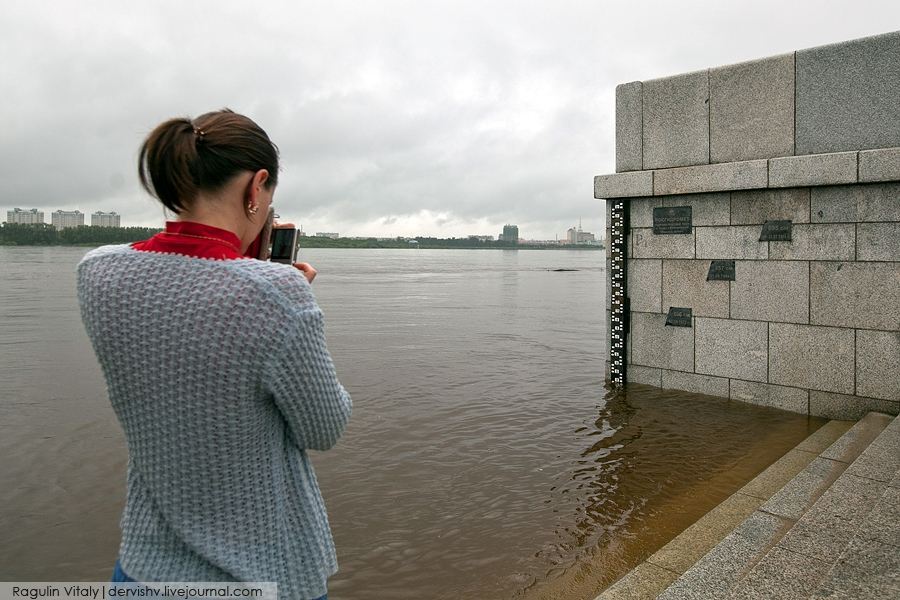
484 457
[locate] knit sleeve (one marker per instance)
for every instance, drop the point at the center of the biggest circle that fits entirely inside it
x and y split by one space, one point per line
301 377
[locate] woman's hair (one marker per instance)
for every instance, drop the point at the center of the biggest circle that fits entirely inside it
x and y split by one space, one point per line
182 157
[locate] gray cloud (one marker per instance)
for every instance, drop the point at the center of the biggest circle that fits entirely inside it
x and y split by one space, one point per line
417 117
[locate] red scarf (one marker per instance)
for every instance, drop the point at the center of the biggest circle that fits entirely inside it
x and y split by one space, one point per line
197 239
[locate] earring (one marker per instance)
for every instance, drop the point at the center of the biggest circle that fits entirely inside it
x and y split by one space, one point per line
252 209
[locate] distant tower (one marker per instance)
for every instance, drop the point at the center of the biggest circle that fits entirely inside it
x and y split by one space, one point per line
25 217
510 234
103 219
67 218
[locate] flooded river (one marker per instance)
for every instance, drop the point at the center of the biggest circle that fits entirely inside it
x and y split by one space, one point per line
484 457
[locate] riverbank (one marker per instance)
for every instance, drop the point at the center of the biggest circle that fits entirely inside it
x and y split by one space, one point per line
433 244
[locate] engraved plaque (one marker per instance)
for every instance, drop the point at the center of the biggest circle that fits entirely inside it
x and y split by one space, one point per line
678 317
721 270
672 219
776 231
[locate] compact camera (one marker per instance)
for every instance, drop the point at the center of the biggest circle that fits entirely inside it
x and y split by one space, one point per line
278 244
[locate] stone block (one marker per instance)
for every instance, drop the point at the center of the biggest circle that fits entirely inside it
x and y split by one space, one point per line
655 345
731 242
691 382
801 492
640 211
775 396
693 543
781 574
676 121
746 175
855 294
818 241
706 209
647 245
880 459
843 93
645 285
643 375
883 523
735 349
845 407
684 284
629 129
755 207
644 581
855 203
770 291
624 185
751 110
814 169
878 241
850 496
879 165
816 358
729 561
859 437
824 436
767 483
878 364
867 570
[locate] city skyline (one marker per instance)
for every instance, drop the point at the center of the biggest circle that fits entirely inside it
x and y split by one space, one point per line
124 221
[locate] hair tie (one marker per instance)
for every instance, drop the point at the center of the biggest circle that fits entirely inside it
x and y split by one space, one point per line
199 133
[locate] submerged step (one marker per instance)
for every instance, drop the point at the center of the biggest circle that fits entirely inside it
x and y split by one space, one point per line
669 562
787 527
797 539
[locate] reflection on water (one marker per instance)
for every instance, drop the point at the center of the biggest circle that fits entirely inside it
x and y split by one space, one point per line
484 457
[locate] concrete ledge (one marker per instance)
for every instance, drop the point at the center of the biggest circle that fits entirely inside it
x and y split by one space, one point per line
746 175
879 165
813 169
624 185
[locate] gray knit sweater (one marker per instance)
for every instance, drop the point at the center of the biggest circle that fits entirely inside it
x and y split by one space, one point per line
219 375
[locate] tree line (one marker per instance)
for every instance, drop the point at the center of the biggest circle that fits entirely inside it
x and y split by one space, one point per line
427 242
43 234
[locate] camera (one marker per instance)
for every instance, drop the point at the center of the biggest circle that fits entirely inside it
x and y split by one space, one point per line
284 245
278 244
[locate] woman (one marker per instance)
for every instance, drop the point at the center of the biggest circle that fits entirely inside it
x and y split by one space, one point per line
217 369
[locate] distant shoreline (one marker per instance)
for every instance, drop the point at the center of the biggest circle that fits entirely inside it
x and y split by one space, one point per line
343 247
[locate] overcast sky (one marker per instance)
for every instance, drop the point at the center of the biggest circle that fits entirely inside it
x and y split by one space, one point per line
393 118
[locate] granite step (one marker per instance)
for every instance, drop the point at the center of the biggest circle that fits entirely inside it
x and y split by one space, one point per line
807 538
712 556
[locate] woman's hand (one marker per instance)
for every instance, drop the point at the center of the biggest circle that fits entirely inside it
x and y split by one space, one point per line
308 271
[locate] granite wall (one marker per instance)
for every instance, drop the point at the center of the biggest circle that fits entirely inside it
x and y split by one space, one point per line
810 325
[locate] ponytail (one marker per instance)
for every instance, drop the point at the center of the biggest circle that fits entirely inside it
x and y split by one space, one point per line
181 158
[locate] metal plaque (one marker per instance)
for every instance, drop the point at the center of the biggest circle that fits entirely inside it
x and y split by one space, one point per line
678 317
618 302
776 231
721 270
671 219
